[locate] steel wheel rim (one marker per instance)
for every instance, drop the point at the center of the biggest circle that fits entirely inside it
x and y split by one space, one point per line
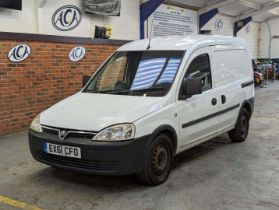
159 159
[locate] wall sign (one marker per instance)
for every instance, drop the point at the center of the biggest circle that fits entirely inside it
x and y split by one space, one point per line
19 53
77 54
219 24
171 20
66 18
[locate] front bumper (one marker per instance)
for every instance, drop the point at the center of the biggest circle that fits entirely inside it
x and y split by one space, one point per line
104 158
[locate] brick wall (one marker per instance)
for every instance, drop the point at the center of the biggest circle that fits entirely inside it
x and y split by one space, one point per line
46 77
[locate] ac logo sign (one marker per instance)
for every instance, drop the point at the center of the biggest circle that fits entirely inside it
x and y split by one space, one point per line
77 54
19 53
219 24
66 18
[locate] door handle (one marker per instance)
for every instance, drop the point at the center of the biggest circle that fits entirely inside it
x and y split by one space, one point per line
224 99
214 101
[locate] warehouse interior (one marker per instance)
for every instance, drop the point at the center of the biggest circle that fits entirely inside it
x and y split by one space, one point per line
50 49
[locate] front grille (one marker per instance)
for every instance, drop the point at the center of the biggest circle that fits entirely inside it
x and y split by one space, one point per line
47 130
71 133
77 163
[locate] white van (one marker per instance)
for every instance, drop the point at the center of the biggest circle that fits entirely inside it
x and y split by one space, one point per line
148 103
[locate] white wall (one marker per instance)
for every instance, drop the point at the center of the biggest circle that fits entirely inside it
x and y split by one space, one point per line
251 36
226 30
19 21
265 46
31 20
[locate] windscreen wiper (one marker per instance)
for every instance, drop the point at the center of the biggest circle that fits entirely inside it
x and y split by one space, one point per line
99 91
149 89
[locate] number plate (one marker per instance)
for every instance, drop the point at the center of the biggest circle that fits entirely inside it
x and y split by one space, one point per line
62 150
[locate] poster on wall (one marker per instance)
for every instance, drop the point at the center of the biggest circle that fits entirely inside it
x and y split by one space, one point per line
103 7
171 20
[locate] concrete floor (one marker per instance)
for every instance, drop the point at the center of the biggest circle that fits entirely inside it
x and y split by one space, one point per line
215 175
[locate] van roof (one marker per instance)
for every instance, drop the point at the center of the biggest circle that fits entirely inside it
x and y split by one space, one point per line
184 43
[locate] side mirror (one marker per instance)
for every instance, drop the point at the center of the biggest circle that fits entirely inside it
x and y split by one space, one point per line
85 79
191 86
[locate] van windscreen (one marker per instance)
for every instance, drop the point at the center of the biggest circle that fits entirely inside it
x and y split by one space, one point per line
149 73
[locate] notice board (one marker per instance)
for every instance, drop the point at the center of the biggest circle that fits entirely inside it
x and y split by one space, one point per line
170 20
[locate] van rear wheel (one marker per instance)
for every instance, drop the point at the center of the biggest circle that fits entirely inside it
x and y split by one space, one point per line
157 165
240 133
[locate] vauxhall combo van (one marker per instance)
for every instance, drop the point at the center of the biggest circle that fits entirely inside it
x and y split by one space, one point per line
151 100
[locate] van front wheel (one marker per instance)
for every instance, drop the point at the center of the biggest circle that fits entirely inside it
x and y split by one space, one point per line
240 133
157 165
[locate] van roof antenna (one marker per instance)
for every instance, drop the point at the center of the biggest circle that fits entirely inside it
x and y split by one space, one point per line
150 36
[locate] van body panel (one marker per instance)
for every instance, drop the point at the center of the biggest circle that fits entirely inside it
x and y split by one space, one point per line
195 119
230 97
164 116
114 158
185 43
231 69
94 112
198 117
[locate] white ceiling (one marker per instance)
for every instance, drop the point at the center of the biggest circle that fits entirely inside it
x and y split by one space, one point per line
237 8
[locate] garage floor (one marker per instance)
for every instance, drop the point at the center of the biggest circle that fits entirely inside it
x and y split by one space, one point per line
215 175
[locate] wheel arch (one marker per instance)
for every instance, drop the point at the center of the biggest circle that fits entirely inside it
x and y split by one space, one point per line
249 105
169 131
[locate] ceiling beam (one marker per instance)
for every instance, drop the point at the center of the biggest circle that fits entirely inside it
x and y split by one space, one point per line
214 5
177 4
249 3
273 12
265 8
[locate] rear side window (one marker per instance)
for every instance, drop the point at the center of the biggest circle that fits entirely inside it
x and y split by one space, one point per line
200 67
230 66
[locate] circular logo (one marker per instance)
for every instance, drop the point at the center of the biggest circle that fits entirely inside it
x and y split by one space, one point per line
66 18
62 134
19 53
77 54
219 24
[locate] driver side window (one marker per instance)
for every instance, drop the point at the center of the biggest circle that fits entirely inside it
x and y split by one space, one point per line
200 68
114 72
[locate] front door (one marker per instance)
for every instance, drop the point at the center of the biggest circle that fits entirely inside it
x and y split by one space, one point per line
198 114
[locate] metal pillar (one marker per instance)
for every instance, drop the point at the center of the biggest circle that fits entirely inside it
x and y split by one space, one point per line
206 17
146 9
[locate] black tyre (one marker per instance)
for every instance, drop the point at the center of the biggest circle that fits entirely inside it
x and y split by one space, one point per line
240 133
157 165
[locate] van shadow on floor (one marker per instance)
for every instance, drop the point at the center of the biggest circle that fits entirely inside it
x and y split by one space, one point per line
200 150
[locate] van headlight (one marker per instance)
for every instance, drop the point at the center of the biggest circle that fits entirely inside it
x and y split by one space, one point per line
119 132
35 125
